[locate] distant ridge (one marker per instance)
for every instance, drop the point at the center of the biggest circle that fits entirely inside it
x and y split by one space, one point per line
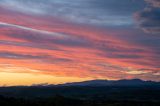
123 82
99 83
134 89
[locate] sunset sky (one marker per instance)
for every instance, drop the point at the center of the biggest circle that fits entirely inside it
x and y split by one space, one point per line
59 41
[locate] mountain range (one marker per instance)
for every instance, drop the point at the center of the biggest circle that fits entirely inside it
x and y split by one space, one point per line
124 82
134 89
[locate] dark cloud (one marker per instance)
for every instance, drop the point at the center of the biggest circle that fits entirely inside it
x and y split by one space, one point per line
30 45
149 18
21 56
41 57
125 56
154 3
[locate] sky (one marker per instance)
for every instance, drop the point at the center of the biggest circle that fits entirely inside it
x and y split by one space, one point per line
59 41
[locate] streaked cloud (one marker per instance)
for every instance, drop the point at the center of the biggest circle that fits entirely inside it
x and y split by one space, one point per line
92 12
136 72
84 39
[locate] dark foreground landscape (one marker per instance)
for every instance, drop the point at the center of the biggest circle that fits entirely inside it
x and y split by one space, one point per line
89 93
62 101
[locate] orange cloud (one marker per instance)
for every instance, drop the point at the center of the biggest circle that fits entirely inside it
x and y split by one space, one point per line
58 48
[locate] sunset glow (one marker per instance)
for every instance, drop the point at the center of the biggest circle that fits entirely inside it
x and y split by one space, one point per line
60 41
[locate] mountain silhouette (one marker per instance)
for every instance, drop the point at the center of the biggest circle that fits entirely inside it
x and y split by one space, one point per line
123 82
134 89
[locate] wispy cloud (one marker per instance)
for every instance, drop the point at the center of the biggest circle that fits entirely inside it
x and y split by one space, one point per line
80 11
85 39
